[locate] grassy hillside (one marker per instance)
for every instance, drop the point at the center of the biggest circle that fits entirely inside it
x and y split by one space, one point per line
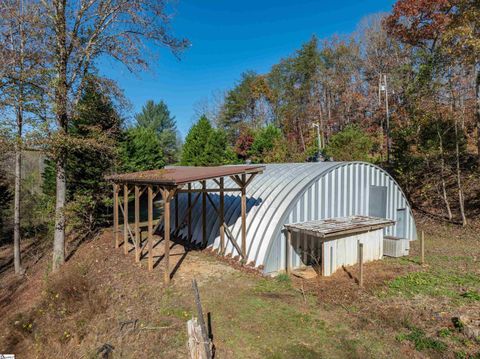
102 298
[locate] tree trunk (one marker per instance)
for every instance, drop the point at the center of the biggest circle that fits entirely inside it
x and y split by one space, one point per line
18 179
442 174
61 115
461 200
301 136
477 110
18 154
59 238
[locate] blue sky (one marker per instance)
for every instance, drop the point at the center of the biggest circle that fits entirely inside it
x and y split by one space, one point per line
230 37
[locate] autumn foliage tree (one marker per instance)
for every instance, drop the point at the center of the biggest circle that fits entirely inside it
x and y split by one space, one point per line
79 33
370 95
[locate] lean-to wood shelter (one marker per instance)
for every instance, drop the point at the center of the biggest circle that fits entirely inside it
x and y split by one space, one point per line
169 183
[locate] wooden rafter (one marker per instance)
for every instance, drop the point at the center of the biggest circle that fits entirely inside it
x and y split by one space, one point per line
250 179
227 230
186 215
209 190
237 180
131 236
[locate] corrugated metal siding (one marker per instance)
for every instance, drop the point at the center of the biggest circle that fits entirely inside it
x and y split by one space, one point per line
296 192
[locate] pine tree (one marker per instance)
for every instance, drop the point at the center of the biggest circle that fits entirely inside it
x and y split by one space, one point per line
141 150
157 117
96 120
204 145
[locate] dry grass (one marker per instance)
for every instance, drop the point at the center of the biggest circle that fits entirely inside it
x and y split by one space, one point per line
68 303
102 300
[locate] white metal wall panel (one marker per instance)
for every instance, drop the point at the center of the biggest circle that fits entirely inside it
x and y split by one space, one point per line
343 251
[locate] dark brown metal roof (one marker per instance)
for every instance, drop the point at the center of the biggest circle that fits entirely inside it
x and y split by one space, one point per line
175 176
330 227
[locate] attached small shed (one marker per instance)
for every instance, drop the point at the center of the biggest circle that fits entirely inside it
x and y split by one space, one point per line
335 241
301 192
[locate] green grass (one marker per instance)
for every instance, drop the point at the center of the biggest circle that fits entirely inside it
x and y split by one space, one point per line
256 317
435 284
471 294
421 341
444 332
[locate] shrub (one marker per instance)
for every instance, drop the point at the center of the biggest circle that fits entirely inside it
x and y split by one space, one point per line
267 141
351 144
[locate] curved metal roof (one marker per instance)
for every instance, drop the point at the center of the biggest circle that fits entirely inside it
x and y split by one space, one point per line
271 197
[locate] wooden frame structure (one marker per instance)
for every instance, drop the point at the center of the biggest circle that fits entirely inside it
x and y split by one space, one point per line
168 183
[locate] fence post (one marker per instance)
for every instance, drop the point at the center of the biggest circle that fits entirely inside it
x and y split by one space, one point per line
360 264
200 345
422 248
288 255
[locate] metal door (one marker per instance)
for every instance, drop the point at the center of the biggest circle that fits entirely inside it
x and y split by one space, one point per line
401 223
377 206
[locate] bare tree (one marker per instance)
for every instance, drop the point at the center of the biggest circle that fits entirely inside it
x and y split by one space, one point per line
79 33
18 66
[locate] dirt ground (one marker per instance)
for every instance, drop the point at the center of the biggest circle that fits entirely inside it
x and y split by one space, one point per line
103 302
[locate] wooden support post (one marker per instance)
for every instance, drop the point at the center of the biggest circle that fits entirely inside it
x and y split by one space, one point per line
166 227
125 219
189 213
244 219
137 224
222 218
176 211
322 256
360 264
204 215
150 228
288 248
422 248
115 215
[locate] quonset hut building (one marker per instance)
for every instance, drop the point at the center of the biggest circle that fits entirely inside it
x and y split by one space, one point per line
350 198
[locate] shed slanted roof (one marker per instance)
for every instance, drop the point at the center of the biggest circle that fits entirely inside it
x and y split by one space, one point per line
175 176
330 227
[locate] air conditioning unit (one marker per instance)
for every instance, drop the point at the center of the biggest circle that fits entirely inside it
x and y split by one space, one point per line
395 246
